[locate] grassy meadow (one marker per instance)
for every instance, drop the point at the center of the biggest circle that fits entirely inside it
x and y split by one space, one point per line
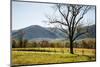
49 52
27 56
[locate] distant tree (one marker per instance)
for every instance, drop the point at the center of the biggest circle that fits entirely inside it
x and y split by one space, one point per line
21 38
34 44
70 20
25 42
14 44
52 45
75 45
44 43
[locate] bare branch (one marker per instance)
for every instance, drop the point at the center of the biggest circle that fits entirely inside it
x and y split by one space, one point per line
85 10
67 13
64 30
59 8
79 35
63 23
65 17
79 20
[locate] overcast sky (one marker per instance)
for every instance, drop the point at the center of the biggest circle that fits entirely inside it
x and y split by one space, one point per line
25 14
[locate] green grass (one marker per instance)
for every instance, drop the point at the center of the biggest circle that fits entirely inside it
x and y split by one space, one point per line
24 56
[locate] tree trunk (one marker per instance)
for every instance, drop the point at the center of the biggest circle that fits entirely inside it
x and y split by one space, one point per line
71 47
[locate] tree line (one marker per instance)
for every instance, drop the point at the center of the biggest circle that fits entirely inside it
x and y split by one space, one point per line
90 44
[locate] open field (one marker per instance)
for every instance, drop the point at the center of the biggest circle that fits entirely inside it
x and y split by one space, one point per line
25 56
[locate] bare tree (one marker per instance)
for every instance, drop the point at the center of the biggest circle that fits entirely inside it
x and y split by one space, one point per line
70 20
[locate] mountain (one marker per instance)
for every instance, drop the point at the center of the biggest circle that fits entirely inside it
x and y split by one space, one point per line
57 31
36 32
92 31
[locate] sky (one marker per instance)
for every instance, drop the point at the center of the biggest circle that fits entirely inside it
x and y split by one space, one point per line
25 14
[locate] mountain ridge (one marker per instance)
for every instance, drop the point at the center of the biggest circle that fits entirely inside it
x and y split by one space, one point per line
38 32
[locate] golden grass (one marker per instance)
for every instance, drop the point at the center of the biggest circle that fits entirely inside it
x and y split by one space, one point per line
79 51
57 55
